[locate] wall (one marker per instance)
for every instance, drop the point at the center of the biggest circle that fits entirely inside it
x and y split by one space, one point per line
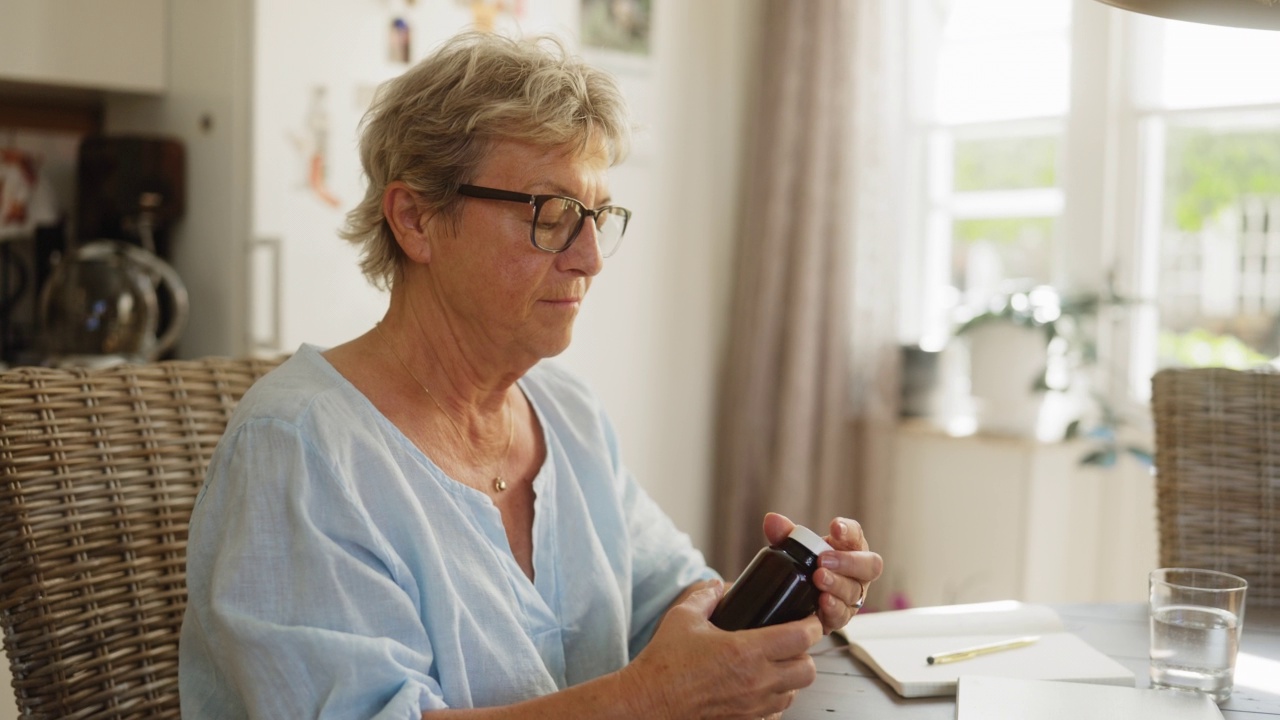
650 335
989 517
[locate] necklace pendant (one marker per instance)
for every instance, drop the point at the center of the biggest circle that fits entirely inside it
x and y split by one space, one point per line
499 484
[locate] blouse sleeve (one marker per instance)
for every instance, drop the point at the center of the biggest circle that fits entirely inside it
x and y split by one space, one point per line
663 559
297 606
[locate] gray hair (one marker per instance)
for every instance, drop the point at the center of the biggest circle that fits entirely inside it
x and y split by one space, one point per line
432 127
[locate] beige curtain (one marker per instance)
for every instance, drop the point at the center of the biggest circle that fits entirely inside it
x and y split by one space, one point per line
810 378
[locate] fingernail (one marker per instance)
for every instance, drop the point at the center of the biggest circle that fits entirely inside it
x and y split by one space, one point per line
841 530
830 561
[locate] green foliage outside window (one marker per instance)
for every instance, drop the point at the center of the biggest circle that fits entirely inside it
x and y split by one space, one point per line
1003 231
1201 348
1011 163
1210 170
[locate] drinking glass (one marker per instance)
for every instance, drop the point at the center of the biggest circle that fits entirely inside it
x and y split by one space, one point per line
1196 618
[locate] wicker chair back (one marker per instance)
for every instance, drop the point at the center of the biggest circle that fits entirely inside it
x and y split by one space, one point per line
1218 474
99 470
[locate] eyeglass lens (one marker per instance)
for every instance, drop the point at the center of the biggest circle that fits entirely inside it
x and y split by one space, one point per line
560 220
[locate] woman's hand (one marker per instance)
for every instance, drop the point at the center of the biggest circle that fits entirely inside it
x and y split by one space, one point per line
845 573
693 669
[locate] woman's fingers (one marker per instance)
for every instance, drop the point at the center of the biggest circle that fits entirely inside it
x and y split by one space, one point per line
847 534
777 527
786 641
797 672
846 574
845 589
694 669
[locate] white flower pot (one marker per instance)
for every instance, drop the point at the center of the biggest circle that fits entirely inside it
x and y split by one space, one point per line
1005 361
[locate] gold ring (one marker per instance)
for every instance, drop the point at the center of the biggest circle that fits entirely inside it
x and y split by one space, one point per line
862 597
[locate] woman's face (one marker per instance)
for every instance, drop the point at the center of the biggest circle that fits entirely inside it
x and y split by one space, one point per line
512 298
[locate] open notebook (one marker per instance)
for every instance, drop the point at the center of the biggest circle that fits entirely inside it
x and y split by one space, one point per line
897 644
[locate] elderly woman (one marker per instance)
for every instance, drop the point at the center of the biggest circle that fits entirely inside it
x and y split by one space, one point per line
431 517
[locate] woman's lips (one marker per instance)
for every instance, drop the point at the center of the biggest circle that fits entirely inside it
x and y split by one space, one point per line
570 295
563 302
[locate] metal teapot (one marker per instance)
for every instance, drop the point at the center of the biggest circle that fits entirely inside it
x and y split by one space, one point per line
101 306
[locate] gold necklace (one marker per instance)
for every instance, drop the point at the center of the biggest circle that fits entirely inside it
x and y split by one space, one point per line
498 483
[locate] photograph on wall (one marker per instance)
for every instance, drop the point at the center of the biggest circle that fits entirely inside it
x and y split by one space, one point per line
311 142
488 15
618 25
399 41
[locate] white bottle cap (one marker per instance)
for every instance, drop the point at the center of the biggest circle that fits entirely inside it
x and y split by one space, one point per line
810 539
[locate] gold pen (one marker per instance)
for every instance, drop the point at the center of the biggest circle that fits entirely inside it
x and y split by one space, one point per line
976 650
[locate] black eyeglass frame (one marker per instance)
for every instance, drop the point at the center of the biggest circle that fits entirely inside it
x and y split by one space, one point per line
537 201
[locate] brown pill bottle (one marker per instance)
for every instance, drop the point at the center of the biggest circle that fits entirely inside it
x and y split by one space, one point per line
777 586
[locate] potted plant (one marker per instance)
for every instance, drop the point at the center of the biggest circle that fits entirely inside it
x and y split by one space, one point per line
1064 331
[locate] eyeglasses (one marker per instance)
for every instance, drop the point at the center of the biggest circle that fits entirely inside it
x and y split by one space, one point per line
558 220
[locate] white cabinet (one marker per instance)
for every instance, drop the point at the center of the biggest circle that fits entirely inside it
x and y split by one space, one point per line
988 517
116 45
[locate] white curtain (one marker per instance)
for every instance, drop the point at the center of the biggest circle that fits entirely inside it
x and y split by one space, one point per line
810 380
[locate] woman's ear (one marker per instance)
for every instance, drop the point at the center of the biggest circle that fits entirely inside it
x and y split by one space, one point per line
408 224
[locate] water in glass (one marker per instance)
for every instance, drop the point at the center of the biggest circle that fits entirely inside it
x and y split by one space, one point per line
1194 647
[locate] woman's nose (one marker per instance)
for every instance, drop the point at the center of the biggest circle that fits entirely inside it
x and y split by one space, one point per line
584 254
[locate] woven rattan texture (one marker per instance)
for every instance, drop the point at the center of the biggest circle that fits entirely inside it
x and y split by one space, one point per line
1218 474
99 470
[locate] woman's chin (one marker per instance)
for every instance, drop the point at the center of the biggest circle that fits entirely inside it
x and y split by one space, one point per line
560 346
549 343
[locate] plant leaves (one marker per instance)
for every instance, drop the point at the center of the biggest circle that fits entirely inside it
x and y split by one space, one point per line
1072 431
1103 433
1142 455
1100 458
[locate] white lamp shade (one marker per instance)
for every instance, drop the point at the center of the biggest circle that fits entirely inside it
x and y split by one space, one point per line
1256 14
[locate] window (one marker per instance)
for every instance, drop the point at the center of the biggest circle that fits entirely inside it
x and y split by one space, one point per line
1071 144
992 132
1208 254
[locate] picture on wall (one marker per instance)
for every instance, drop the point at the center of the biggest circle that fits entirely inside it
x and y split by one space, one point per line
486 14
620 25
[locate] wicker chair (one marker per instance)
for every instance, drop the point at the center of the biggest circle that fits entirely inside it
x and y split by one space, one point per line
1218 474
98 473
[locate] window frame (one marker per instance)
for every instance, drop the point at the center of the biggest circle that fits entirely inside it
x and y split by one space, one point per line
1111 183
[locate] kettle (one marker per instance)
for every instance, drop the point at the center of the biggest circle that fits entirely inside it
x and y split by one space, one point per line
101 306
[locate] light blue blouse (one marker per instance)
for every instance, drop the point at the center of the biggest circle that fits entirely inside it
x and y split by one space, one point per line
335 572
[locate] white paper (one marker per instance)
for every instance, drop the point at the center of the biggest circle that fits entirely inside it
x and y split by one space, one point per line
996 698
